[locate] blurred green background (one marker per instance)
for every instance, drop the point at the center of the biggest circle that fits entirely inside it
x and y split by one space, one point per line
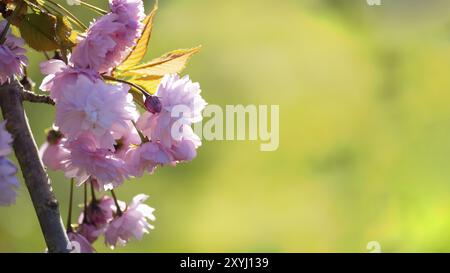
364 95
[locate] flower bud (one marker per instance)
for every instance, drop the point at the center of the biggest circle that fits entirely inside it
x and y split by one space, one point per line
54 136
99 212
153 104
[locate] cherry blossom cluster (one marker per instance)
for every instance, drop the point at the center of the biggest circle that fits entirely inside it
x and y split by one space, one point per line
12 54
118 222
99 136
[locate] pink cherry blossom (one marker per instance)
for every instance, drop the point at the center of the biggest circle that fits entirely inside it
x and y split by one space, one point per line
94 51
95 107
132 223
90 232
8 182
157 127
59 75
185 150
52 152
130 13
129 10
166 145
98 214
87 159
147 157
174 91
126 138
110 39
5 140
80 243
175 94
12 56
52 66
53 155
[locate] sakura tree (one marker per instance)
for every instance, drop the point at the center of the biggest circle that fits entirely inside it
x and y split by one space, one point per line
117 117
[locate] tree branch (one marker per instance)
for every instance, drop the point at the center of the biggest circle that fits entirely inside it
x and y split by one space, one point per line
36 179
32 97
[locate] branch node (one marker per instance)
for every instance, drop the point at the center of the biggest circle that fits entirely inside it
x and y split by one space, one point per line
52 203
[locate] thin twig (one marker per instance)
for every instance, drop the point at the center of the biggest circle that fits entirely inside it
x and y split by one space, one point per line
145 93
32 97
69 14
69 214
94 8
85 203
116 202
94 199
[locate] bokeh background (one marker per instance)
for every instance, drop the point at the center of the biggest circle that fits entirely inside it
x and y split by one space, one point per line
364 96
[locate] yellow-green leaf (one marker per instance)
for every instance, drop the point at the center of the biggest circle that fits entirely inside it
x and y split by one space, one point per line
172 62
149 83
39 31
64 35
139 51
15 30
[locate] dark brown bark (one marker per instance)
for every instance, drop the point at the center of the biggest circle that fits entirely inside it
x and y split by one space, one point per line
36 179
32 97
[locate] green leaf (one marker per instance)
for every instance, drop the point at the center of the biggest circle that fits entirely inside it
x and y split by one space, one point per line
39 31
172 62
46 32
139 51
15 30
149 83
64 33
